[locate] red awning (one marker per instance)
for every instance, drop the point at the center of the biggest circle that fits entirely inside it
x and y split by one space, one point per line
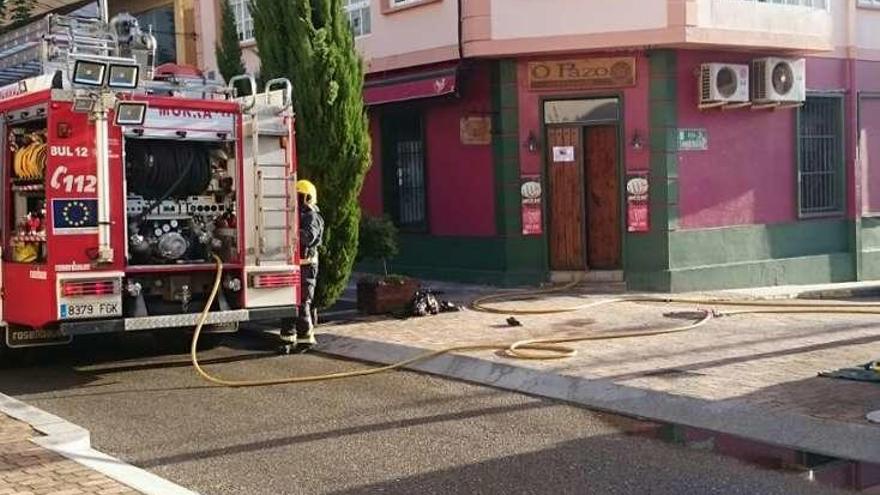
411 86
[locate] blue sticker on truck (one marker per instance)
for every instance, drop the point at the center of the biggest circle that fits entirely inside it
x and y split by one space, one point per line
74 215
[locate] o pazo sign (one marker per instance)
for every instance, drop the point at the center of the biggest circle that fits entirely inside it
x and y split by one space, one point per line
585 73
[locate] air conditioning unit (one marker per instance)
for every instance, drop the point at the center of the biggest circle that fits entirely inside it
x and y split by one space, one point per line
724 83
779 80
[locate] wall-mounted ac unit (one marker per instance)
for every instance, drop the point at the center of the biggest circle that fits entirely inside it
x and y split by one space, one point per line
779 80
724 83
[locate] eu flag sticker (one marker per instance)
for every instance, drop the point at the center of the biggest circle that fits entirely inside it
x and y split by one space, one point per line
74 216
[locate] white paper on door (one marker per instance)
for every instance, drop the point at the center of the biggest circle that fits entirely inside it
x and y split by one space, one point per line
563 153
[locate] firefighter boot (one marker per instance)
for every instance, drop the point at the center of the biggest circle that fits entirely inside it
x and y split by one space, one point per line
305 333
288 337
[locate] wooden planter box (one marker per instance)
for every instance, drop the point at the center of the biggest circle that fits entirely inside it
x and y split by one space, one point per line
380 297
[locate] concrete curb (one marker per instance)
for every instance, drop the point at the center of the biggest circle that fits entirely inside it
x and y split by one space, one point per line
872 291
74 443
848 441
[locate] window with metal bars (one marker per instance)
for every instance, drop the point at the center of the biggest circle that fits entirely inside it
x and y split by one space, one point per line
404 170
820 156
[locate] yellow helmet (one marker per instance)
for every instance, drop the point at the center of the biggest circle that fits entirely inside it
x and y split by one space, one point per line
309 190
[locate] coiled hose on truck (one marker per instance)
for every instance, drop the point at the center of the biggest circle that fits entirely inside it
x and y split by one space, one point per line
541 349
29 162
158 170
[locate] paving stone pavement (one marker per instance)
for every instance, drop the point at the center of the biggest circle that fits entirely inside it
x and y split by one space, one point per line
28 469
770 362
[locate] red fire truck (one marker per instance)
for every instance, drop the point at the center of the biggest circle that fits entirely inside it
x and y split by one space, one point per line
122 183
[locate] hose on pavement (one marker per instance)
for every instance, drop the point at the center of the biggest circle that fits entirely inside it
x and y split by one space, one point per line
542 348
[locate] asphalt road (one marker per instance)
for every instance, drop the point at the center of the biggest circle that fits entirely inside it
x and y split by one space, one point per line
398 433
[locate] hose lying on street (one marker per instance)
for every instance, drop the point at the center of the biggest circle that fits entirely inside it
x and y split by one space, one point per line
545 348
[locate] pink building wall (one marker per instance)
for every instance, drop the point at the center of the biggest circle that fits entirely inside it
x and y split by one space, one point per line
748 175
868 77
870 124
460 178
371 193
635 115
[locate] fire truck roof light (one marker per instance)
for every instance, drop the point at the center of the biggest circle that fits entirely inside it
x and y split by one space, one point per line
123 76
89 73
131 113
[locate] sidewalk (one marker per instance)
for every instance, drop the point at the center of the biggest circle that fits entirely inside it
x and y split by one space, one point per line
26 468
744 378
42 454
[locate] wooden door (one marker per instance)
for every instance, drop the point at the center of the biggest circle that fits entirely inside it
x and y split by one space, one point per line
565 169
602 197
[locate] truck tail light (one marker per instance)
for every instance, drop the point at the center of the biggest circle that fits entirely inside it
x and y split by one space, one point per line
274 280
89 288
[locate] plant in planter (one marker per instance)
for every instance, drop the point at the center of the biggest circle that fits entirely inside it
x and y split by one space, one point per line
378 294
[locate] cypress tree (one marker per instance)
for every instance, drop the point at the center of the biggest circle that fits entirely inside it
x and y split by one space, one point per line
310 42
228 50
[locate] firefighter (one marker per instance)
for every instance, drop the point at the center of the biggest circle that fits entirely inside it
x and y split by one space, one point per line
311 233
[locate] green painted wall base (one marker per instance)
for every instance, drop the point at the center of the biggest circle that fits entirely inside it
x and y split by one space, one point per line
807 252
870 248
477 260
820 269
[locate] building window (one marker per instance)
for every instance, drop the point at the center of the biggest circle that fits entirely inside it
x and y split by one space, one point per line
391 6
160 21
820 156
404 170
358 15
817 4
244 23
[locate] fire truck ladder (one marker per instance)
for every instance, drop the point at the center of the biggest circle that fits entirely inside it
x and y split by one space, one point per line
267 120
45 46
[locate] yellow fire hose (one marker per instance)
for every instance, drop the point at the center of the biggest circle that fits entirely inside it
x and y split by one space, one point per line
29 161
541 349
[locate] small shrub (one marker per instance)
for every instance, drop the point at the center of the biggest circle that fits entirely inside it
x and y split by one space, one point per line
377 240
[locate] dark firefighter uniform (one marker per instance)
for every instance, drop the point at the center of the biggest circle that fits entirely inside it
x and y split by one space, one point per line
311 233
